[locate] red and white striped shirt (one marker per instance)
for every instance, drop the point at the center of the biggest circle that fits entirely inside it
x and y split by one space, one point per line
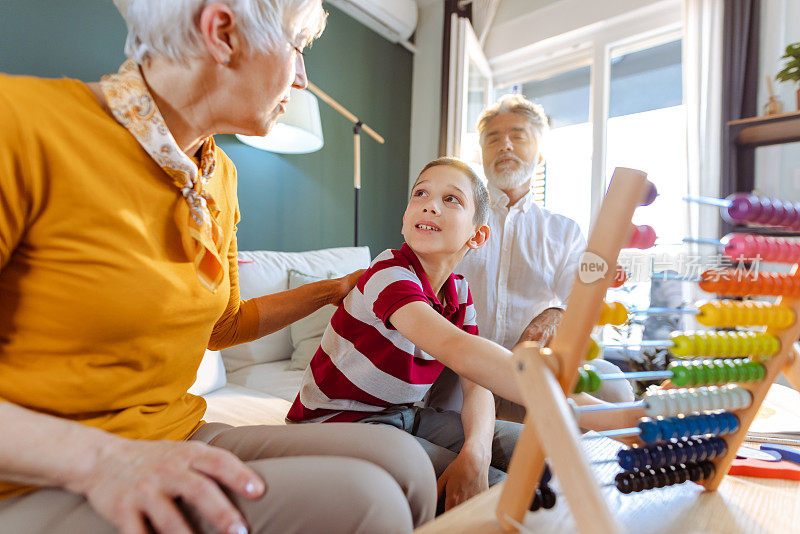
364 365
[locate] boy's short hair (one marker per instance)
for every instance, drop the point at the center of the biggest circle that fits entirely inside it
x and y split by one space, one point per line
479 192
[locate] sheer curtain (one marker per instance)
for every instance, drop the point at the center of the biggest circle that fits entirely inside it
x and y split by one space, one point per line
702 86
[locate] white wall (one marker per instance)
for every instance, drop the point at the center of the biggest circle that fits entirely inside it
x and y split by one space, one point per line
426 87
778 167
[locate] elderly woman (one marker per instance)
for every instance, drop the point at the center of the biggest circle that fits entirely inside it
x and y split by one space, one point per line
118 268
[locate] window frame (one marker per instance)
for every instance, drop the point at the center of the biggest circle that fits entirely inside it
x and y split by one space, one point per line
594 45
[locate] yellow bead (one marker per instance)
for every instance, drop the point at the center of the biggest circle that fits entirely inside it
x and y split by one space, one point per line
594 350
683 345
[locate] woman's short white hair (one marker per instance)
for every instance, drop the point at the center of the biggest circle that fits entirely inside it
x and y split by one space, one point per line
168 28
534 113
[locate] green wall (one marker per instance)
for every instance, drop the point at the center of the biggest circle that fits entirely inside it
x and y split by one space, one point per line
288 202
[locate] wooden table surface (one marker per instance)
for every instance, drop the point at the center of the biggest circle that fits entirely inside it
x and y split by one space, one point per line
741 505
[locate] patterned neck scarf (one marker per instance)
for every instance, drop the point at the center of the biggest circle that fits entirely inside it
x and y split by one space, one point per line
133 107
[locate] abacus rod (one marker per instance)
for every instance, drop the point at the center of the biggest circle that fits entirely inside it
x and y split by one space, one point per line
674 276
710 201
661 310
703 241
645 343
608 407
638 375
619 432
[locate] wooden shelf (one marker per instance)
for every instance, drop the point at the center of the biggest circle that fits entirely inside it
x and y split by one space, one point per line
767 130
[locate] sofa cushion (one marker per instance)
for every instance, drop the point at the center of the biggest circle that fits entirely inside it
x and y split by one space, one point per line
274 378
210 374
268 272
240 406
306 333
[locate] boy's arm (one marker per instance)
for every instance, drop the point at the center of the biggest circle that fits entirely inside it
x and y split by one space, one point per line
484 362
474 358
468 474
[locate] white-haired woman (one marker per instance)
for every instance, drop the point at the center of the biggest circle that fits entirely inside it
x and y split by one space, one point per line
118 268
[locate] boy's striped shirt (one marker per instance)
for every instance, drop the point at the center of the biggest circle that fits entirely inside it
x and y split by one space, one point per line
364 365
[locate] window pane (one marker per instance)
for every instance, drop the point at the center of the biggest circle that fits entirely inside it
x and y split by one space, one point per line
646 130
568 147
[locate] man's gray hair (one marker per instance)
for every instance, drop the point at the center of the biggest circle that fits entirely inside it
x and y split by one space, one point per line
520 105
168 28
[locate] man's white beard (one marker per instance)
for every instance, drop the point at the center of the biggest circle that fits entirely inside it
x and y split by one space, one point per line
508 179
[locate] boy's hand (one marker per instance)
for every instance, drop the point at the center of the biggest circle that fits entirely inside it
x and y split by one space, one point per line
462 480
345 285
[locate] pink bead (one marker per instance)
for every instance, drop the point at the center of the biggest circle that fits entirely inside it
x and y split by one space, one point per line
643 237
739 246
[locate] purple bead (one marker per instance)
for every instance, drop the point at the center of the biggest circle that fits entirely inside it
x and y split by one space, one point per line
650 194
767 210
744 208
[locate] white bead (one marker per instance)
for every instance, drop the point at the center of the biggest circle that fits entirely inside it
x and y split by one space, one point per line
653 405
706 399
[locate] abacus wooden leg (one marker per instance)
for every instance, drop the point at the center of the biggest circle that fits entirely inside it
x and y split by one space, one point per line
524 471
792 369
558 433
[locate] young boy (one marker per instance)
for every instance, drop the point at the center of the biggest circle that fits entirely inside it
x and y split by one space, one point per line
407 318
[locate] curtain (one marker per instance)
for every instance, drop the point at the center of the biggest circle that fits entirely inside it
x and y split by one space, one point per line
702 88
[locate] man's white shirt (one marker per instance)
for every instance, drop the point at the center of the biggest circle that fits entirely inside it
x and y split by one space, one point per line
528 264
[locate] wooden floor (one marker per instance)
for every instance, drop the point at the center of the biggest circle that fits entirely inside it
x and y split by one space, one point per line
741 505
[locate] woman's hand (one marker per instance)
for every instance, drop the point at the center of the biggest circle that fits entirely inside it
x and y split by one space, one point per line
345 285
134 480
463 479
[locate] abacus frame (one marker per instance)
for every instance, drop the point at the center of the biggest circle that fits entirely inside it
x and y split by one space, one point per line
545 377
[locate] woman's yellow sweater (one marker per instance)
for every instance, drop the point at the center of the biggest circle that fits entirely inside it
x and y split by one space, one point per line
102 318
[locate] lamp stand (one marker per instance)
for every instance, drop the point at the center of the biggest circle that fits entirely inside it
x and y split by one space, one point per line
358 126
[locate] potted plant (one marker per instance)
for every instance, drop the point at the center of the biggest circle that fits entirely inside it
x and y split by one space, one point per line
791 71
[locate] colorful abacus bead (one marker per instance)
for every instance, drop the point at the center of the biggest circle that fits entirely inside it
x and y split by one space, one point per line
710 372
670 402
613 313
679 452
646 479
593 351
750 247
662 429
724 344
650 194
751 209
642 237
588 380
742 283
733 313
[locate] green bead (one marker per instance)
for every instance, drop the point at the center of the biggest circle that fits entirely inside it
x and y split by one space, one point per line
681 375
594 382
583 380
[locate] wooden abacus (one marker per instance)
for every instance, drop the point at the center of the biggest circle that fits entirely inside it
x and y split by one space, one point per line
547 376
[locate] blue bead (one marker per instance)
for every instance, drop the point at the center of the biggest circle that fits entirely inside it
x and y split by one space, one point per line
681 453
627 459
723 423
672 454
702 451
698 425
714 425
691 452
721 446
734 425
659 456
649 431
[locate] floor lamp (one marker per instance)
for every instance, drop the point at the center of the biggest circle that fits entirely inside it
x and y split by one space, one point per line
299 131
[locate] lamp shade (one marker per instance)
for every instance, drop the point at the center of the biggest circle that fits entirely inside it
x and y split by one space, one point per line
297 131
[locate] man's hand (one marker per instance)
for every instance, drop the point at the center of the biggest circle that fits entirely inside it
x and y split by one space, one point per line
345 285
463 479
542 327
137 480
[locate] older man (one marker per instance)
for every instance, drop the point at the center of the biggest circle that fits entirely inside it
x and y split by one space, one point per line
521 279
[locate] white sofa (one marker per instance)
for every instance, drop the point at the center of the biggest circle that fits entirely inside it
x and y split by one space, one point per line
252 383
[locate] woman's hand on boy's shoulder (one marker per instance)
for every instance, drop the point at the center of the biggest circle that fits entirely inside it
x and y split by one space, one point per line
345 284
